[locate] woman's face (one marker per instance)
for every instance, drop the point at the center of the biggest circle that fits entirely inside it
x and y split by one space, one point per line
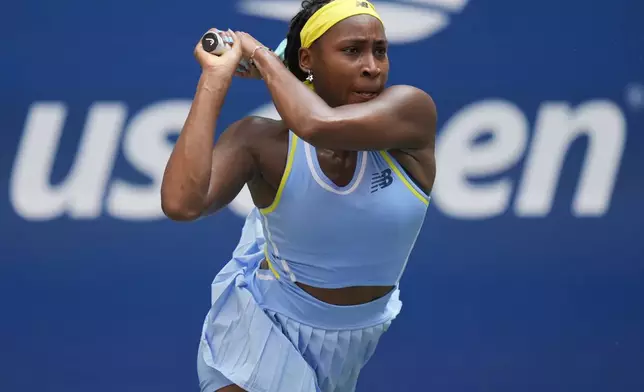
349 62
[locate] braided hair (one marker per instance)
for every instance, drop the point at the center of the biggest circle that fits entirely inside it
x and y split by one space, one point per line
293 45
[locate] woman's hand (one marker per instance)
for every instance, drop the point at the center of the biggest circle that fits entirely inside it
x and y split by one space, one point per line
250 46
228 62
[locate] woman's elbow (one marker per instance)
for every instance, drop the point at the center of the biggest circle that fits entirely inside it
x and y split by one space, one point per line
177 210
178 213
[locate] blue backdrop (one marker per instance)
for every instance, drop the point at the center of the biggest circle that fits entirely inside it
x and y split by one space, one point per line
528 274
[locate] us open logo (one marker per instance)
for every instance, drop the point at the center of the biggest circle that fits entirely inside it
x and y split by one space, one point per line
405 21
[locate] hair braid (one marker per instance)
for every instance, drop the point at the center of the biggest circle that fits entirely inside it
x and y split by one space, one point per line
291 55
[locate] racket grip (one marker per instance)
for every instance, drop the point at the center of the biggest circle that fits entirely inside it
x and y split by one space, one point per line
214 44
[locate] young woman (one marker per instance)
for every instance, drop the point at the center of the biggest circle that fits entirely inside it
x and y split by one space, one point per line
341 186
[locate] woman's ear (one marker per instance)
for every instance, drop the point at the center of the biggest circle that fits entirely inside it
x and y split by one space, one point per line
306 60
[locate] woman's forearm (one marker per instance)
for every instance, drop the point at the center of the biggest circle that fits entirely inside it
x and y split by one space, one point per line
300 108
399 117
187 174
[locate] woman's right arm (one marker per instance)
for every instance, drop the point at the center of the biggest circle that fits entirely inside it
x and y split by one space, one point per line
198 178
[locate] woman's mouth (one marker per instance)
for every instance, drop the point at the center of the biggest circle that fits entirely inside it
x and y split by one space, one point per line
366 95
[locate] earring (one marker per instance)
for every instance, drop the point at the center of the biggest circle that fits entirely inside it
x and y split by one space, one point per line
310 77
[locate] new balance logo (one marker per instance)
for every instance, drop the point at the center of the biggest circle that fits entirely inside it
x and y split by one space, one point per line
381 180
362 4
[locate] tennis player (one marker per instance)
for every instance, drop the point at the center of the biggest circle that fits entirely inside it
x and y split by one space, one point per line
341 187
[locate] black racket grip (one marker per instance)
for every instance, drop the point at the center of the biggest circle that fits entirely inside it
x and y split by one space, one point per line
212 43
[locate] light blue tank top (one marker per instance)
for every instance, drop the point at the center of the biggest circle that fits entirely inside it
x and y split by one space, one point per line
323 235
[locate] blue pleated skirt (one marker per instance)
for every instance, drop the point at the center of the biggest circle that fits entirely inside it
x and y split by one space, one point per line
265 335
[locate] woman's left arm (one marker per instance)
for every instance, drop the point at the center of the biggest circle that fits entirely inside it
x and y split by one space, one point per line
402 117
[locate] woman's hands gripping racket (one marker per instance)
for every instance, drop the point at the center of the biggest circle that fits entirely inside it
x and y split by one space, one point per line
249 46
219 51
220 44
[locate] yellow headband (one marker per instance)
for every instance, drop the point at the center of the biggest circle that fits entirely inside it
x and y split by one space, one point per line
332 13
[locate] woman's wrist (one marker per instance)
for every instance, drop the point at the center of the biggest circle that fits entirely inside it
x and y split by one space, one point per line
214 80
262 57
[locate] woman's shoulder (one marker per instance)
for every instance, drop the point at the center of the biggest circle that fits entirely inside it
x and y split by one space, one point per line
263 137
256 129
411 99
258 124
409 92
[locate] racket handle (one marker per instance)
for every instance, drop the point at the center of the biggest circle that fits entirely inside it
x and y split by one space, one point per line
212 43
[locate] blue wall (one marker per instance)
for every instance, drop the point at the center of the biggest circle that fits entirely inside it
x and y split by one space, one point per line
528 275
